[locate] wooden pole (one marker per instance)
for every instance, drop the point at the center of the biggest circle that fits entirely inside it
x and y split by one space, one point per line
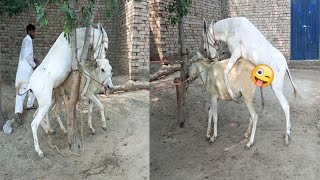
181 86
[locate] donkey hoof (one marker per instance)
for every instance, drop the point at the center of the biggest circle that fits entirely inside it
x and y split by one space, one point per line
248 146
212 139
51 131
286 142
104 128
41 155
246 135
93 132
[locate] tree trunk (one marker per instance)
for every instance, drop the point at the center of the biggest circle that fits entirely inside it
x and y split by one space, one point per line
1 112
181 86
86 44
74 140
75 143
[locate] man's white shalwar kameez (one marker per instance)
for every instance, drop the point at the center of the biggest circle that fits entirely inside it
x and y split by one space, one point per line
25 69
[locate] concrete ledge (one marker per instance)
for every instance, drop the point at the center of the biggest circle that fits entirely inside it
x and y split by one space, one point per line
304 64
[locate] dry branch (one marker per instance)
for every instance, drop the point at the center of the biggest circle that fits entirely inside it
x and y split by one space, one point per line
128 86
165 72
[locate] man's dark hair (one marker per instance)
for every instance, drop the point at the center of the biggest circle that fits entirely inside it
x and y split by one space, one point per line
30 27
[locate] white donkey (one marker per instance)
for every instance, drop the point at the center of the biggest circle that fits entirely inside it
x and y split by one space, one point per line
245 40
101 76
55 68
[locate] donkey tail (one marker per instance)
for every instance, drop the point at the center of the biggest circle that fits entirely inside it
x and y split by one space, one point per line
23 92
262 99
295 91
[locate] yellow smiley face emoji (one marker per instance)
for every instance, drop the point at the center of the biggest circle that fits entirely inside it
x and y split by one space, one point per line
262 75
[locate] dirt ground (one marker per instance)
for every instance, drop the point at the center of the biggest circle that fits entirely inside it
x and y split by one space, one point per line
120 152
185 154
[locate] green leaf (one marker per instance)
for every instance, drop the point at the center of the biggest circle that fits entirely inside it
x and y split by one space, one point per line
41 16
112 6
177 10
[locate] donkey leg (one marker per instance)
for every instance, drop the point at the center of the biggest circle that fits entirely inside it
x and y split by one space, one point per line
247 133
90 116
100 105
277 89
56 112
233 42
214 108
35 124
253 120
46 124
209 124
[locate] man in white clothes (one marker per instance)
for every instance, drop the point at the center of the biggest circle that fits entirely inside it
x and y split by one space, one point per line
26 65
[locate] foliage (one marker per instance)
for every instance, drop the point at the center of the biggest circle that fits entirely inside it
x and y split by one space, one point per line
112 6
41 16
86 11
178 9
69 19
12 7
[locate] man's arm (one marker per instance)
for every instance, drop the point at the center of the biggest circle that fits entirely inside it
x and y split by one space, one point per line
29 53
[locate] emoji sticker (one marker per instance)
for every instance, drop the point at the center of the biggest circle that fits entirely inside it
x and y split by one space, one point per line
262 75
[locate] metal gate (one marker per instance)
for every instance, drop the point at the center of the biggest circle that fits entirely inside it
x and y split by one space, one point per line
304 29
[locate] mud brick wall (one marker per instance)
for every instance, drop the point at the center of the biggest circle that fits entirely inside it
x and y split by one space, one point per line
164 37
134 39
124 35
141 52
13 31
271 17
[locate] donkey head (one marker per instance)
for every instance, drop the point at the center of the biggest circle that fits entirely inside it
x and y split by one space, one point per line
209 43
101 42
104 72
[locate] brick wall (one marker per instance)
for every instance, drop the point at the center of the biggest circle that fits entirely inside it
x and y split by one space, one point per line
124 35
13 31
134 39
271 17
139 63
164 37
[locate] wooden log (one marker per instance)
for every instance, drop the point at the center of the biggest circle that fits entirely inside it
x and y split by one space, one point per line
128 86
165 72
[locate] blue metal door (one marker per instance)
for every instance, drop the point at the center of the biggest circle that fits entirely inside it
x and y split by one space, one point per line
304 29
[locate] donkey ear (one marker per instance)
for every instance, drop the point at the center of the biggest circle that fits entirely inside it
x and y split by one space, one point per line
98 26
199 54
98 61
204 25
101 27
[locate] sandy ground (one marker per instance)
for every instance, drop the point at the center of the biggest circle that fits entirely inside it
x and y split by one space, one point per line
185 154
120 152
